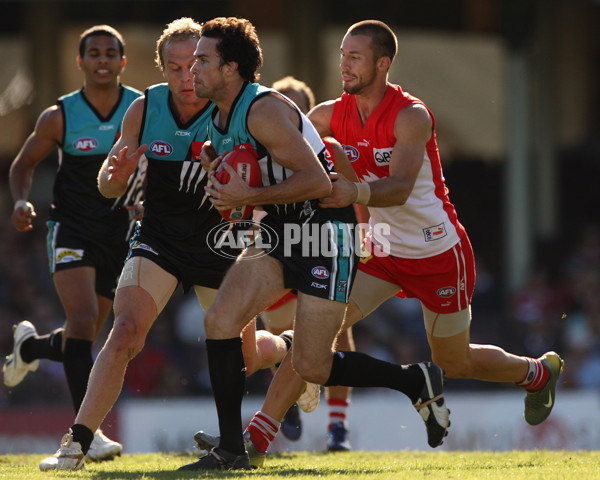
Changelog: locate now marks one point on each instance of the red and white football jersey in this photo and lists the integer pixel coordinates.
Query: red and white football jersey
(427, 224)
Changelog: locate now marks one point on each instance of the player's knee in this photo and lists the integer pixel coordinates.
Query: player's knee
(311, 371)
(81, 323)
(270, 349)
(124, 340)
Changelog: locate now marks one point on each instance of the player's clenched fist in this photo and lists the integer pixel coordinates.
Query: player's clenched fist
(22, 215)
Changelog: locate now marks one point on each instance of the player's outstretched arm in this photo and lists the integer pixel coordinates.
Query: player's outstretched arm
(125, 154)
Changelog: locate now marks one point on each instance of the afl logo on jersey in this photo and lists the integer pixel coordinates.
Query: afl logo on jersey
(320, 272)
(85, 144)
(160, 148)
(351, 153)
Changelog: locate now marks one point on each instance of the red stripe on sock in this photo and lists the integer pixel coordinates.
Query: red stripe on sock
(337, 402)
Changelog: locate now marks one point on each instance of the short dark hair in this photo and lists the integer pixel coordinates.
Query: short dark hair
(383, 40)
(238, 42)
(101, 30)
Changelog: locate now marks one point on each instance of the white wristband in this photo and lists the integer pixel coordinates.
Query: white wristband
(363, 193)
(20, 204)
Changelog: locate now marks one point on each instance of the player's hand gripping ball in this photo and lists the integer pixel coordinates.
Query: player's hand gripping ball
(246, 165)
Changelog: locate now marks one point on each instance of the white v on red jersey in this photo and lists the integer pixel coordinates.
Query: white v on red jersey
(427, 224)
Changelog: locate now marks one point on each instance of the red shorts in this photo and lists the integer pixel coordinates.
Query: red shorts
(443, 283)
(288, 297)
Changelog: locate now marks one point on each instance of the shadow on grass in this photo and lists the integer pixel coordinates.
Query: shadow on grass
(269, 471)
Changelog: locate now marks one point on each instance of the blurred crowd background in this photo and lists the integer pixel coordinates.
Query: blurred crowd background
(553, 304)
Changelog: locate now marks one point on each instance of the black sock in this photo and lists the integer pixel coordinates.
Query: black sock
(77, 362)
(43, 346)
(355, 369)
(228, 379)
(287, 338)
(82, 435)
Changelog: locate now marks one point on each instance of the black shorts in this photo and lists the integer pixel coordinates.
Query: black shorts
(318, 253)
(201, 267)
(68, 247)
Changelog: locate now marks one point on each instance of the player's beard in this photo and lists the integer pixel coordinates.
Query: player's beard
(358, 87)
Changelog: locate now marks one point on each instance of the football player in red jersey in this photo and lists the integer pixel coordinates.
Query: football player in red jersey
(402, 183)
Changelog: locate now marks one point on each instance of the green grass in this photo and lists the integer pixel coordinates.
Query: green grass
(529, 465)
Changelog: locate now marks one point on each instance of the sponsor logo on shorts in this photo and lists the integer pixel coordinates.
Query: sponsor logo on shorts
(446, 292)
(318, 285)
(160, 148)
(85, 144)
(143, 246)
(68, 255)
(435, 233)
(320, 272)
(382, 156)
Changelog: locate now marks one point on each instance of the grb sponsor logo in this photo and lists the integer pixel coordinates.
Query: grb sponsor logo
(182, 133)
(382, 156)
(320, 272)
(106, 127)
(351, 152)
(228, 239)
(68, 255)
(160, 148)
(320, 286)
(85, 144)
(446, 292)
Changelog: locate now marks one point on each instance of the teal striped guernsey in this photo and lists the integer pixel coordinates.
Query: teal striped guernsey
(178, 213)
(236, 134)
(87, 139)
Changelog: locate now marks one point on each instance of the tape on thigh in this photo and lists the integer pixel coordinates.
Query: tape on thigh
(144, 273)
(206, 296)
(446, 324)
(368, 292)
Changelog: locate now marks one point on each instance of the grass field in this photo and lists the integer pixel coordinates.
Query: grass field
(530, 465)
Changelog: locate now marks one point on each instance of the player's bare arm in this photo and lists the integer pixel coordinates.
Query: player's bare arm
(46, 136)
(275, 125)
(412, 129)
(125, 154)
(320, 117)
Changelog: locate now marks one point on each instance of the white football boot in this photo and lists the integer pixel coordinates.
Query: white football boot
(310, 398)
(103, 448)
(14, 367)
(68, 457)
